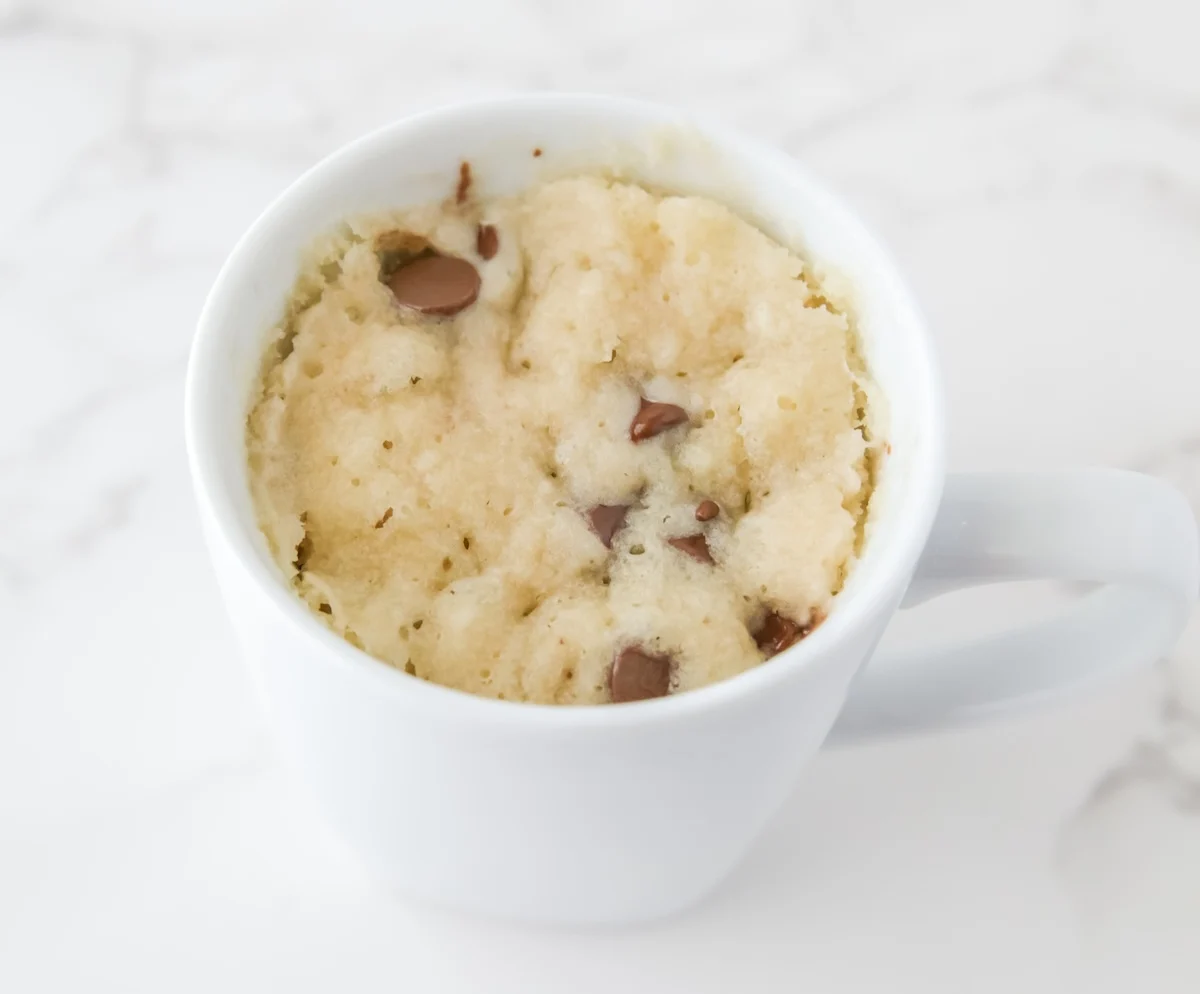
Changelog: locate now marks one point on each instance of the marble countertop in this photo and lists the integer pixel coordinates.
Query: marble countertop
(1034, 165)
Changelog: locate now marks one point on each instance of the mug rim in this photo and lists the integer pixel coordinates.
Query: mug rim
(927, 472)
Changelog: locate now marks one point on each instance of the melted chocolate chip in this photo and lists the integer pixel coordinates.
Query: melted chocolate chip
(606, 520)
(706, 510)
(463, 190)
(654, 417)
(695, 546)
(303, 552)
(777, 633)
(487, 241)
(435, 284)
(638, 675)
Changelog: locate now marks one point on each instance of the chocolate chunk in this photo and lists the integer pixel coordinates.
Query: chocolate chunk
(654, 417)
(464, 183)
(637, 675)
(695, 546)
(606, 520)
(706, 510)
(435, 284)
(487, 241)
(777, 633)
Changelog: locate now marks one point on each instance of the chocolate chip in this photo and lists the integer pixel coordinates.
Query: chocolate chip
(384, 519)
(637, 675)
(303, 553)
(435, 284)
(606, 520)
(464, 183)
(706, 510)
(324, 608)
(777, 633)
(654, 417)
(695, 546)
(487, 241)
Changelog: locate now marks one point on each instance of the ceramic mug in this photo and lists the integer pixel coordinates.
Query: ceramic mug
(633, 811)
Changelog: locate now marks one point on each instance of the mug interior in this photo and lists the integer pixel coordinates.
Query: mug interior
(511, 145)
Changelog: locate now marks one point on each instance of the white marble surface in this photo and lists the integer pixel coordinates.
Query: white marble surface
(1033, 164)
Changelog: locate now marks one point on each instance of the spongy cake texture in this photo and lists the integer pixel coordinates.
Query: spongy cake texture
(425, 482)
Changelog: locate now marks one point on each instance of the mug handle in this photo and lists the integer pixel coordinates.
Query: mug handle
(1130, 532)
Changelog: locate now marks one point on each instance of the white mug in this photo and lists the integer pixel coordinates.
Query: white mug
(634, 811)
